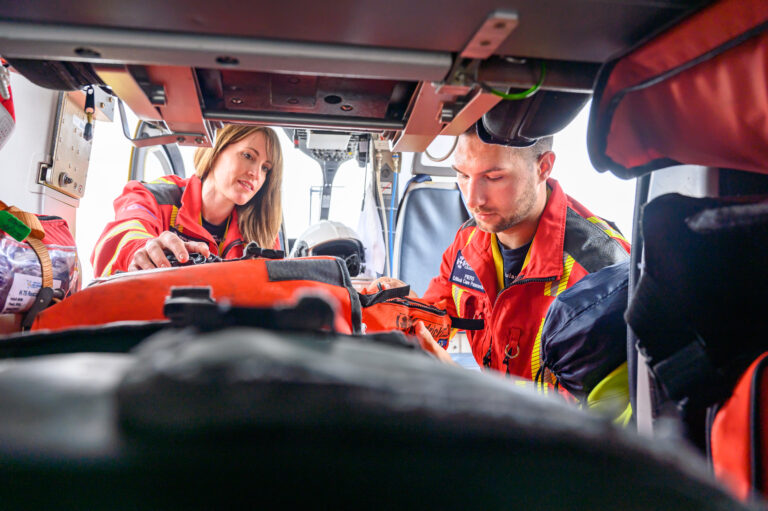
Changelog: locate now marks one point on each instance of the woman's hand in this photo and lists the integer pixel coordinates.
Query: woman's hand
(152, 254)
(383, 283)
(429, 344)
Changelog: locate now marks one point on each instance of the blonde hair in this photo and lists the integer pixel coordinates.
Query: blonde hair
(260, 218)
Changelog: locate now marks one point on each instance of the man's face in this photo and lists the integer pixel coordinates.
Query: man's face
(500, 185)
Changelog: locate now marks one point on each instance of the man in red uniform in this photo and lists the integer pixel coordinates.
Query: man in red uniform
(526, 243)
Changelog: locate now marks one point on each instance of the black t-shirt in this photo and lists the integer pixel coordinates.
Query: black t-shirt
(217, 231)
(513, 261)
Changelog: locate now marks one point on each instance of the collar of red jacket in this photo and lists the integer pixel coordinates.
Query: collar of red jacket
(191, 210)
(546, 255)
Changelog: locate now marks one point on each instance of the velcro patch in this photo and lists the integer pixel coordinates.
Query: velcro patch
(463, 274)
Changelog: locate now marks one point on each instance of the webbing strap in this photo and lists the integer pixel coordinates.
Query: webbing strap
(467, 324)
(45, 260)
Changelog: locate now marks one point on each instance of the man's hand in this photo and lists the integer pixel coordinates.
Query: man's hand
(383, 283)
(429, 344)
(152, 254)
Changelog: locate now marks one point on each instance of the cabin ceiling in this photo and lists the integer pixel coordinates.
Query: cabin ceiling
(409, 69)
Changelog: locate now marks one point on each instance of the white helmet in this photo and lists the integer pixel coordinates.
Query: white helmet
(334, 239)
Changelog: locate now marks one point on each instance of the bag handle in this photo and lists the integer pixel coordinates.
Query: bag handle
(368, 300)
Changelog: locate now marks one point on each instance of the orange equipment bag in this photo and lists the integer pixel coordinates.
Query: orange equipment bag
(140, 296)
(392, 310)
(738, 436)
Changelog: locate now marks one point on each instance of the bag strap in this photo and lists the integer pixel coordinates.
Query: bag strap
(467, 324)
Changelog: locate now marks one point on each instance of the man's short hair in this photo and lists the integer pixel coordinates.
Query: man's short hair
(542, 145)
(531, 153)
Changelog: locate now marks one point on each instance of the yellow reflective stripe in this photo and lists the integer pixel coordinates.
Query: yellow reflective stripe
(471, 235)
(607, 229)
(174, 212)
(498, 262)
(548, 289)
(456, 291)
(536, 353)
(163, 180)
(128, 237)
(566, 274)
(128, 225)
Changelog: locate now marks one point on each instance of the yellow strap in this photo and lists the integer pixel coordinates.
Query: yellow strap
(498, 262)
(45, 260)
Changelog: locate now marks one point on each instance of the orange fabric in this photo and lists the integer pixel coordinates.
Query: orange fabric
(140, 296)
(713, 114)
(402, 313)
(730, 435)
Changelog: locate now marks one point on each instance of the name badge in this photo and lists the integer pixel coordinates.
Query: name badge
(463, 274)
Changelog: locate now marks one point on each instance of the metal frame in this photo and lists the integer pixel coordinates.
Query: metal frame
(126, 46)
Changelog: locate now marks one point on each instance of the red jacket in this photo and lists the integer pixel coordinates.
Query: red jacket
(145, 210)
(569, 243)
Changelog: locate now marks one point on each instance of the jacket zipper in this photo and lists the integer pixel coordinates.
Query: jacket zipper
(487, 359)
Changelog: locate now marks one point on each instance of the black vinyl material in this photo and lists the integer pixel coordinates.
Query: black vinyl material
(427, 224)
(246, 417)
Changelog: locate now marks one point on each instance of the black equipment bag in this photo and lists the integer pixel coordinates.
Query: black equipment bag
(699, 306)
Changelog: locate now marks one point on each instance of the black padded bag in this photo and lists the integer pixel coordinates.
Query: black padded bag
(252, 418)
(699, 306)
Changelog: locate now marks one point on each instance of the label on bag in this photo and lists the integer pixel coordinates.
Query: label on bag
(23, 291)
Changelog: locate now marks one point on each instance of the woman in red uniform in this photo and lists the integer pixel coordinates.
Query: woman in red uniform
(233, 198)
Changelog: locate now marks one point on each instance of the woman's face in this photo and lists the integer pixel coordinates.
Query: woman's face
(241, 169)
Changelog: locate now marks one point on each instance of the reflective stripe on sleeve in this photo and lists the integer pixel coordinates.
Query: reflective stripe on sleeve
(131, 236)
(128, 225)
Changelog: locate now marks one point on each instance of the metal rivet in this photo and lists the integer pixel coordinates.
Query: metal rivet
(180, 139)
(236, 101)
(485, 43)
(499, 25)
(292, 101)
(346, 108)
(234, 87)
(199, 140)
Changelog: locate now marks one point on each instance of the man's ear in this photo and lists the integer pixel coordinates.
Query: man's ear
(545, 163)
